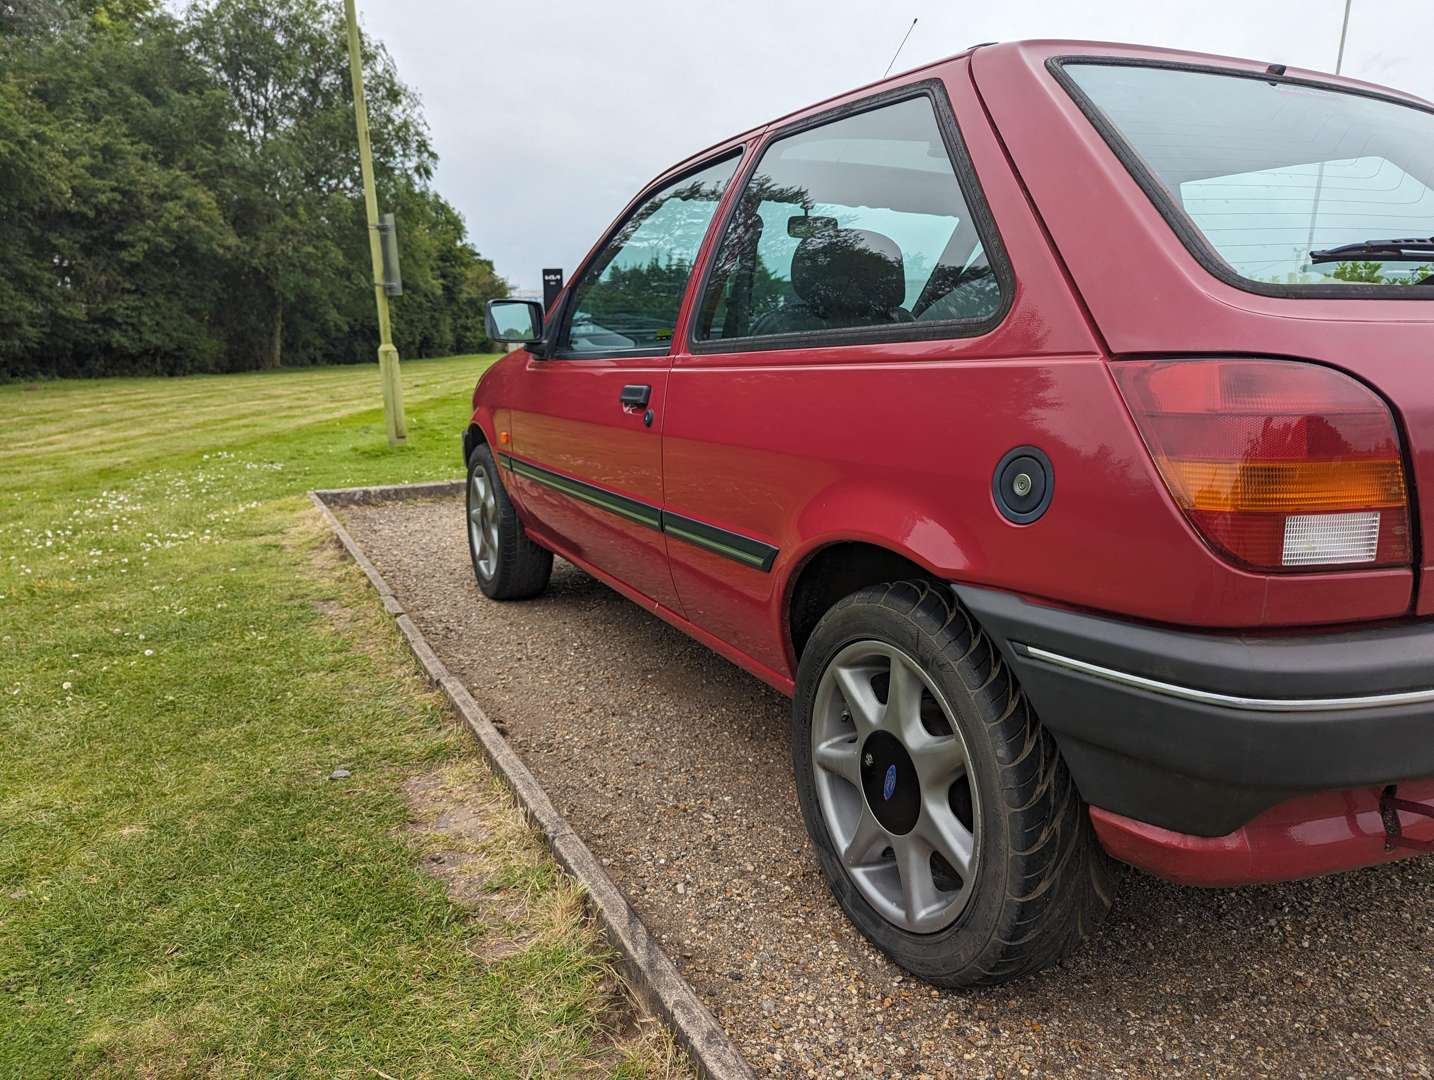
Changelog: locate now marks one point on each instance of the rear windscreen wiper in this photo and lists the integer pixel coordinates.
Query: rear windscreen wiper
(1418, 249)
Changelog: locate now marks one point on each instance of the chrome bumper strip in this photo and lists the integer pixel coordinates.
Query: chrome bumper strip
(1228, 701)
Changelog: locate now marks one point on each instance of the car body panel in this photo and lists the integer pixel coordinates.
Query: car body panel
(567, 419)
(1148, 295)
(1304, 837)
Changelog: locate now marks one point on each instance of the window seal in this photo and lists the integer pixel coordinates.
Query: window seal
(1184, 227)
(562, 315)
(968, 184)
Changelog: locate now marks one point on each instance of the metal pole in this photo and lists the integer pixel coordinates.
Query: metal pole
(1343, 37)
(387, 354)
(1338, 70)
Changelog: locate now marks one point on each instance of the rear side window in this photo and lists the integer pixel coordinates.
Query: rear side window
(627, 299)
(1281, 186)
(856, 224)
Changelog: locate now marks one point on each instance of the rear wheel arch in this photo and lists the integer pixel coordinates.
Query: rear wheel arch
(835, 571)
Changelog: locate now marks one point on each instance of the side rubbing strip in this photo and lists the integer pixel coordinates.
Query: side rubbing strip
(735, 546)
(621, 505)
(743, 549)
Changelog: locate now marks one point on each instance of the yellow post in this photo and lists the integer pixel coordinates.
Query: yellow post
(387, 354)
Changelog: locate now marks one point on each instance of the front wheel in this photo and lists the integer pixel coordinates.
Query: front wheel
(506, 563)
(946, 822)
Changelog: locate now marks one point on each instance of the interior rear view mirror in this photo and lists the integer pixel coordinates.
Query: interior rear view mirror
(805, 225)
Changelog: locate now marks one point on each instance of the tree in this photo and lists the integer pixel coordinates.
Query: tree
(182, 193)
(293, 180)
(115, 238)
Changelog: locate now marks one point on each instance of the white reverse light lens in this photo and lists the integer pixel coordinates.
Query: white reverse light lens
(1330, 538)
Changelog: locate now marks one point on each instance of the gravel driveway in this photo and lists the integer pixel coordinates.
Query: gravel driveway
(673, 766)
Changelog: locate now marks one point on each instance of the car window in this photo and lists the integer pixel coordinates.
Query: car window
(1291, 185)
(627, 298)
(859, 222)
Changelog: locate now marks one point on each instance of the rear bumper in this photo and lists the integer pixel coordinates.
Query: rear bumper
(1307, 836)
(1199, 735)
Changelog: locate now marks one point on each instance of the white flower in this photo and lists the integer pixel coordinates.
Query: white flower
(148, 652)
(67, 686)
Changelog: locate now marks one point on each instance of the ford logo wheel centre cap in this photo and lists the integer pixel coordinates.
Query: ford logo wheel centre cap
(890, 783)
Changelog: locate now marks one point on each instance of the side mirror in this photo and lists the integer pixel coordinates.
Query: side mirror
(519, 321)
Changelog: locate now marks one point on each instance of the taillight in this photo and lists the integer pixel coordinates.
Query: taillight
(1279, 465)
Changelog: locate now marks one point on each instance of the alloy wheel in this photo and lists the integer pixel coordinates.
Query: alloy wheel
(894, 786)
(483, 521)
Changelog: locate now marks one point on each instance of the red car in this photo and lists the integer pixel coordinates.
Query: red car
(1049, 424)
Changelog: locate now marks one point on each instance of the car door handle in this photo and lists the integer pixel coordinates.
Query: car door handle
(635, 397)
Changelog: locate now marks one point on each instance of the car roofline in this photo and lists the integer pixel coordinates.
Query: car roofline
(755, 132)
(1054, 46)
(1059, 47)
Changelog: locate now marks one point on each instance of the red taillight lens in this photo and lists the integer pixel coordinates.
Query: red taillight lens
(1279, 465)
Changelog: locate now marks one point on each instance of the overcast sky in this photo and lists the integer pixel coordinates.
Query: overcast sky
(549, 116)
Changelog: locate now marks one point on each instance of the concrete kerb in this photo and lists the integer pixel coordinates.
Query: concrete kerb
(367, 496)
(650, 971)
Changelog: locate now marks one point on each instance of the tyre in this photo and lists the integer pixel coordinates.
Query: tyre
(946, 823)
(506, 563)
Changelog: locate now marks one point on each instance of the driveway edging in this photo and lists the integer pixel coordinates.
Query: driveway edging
(651, 972)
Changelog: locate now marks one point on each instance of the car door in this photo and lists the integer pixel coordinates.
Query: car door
(586, 421)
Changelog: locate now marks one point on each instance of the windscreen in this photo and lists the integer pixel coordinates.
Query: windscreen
(1289, 184)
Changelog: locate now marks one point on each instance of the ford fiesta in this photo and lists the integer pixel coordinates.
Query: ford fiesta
(1051, 424)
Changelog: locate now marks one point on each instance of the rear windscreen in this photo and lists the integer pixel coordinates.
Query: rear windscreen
(1289, 185)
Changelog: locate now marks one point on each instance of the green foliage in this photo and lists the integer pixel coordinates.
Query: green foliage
(1372, 273)
(181, 193)
(642, 298)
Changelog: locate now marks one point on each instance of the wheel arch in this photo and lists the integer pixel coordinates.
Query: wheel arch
(490, 396)
(836, 569)
(473, 437)
(858, 534)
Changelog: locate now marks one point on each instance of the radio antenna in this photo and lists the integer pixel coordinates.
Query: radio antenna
(894, 55)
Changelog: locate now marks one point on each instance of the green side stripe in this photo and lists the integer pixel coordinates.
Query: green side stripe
(714, 545)
(643, 514)
(632, 511)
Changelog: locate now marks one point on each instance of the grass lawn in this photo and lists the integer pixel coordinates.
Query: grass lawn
(184, 660)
